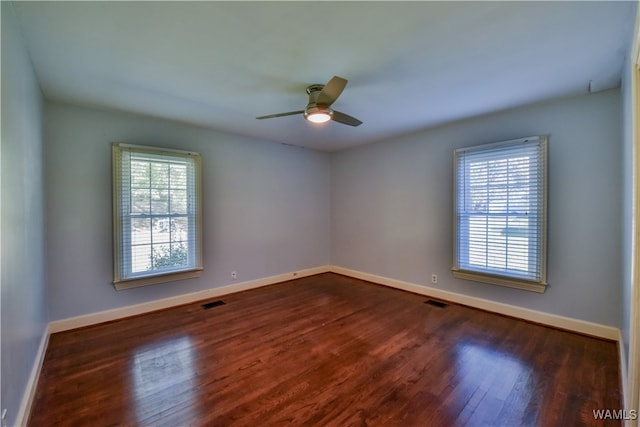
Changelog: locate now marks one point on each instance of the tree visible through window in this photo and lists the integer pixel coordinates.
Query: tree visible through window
(500, 213)
(156, 214)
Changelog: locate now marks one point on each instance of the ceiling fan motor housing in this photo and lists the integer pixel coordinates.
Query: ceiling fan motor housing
(312, 107)
(313, 91)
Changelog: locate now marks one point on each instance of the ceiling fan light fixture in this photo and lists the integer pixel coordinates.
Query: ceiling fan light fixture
(318, 114)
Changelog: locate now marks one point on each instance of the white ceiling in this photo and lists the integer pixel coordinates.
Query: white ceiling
(410, 65)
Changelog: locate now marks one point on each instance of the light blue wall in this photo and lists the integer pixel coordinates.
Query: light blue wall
(266, 206)
(391, 205)
(388, 205)
(22, 282)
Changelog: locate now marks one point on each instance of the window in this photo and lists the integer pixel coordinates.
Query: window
(156, 210)
(500, 213)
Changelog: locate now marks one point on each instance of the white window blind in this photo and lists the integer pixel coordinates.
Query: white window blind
(500, 213)
(156, 215)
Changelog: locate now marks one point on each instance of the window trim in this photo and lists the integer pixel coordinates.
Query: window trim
(498, 279)
(119, 282)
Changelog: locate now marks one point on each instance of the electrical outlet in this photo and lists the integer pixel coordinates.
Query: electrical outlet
(434, 278)
(234, 275)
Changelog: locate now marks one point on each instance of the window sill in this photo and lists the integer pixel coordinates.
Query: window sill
(154, 280)
(500, 281)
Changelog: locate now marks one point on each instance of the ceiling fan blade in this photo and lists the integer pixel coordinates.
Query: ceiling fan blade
(345, 119)
(331, 91)
(271, 116)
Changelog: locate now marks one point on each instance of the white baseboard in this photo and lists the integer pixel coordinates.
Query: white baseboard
(132, 310)
(574, 325)
(22, 417)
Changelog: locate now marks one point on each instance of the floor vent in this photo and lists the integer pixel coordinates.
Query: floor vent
(212, 304)
(435, 303)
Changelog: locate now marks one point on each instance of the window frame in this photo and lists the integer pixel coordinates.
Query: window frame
(504, 279)
(120, 281)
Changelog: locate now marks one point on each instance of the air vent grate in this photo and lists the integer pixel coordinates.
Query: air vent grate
(212, 304)
(439, 304)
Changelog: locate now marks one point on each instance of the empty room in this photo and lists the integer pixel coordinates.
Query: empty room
(320, 213)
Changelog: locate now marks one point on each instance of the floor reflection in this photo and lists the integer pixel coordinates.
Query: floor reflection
(495, 380)
(164, 381)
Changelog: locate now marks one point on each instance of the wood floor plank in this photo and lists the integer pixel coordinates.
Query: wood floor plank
(325, 350)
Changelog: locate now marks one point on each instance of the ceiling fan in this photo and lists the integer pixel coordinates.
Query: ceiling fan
(320, 99)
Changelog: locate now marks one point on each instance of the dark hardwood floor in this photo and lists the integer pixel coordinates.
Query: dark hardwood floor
(325, 350)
